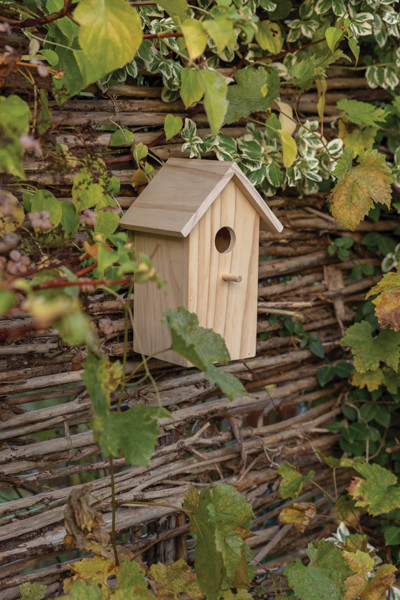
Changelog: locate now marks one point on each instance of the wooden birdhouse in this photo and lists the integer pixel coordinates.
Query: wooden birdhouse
(199, 222)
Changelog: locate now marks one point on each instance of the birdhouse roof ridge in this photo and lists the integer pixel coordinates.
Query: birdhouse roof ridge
(181, 193)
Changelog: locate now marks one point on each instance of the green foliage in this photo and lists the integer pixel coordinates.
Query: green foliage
(133, 432)
(174, 579)
(378, 492)
(248, 94)
(220, 519)
(32, 591)
(172, 126)
(202, 347)
(369, 351)
(361, 113)
(15, 116)
(292, 480)
(324, 578)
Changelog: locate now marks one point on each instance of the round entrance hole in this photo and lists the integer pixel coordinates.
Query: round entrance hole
(225, 240)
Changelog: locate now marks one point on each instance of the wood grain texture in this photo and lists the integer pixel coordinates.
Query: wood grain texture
(229, 308)
(170, 258)
(183, 191)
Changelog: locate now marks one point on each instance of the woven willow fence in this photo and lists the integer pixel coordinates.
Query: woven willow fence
(47, 447)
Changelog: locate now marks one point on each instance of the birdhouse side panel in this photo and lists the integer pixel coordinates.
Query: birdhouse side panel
(223, 271)
(170, 258)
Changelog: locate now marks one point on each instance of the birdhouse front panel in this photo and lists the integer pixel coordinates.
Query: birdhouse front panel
(170, 258)
(223, 271)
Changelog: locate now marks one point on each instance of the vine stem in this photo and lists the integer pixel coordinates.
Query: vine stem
(152, 36)
(125, 353)
(63, 12)
(114, 509)
(187, 512)
(323, 490)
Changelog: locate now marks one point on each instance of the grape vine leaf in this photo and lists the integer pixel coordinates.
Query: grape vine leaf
(32, 591)
(269, 36)
(215, 102)
(377, 587)
(292, 480)
(246, 96)
(369, 351)
(110, 33)
(379, 492)
(361, 563)
(387, 302)
(174, 579)
(131, 583)
(369, 379)
(299, 514)
(94, 570)
(220, 519)
(133, 432)
(324, 578)
(192, 87)
(357, 139)
(14, 121)
(361, 113)
(81, 590)
(202, 347)
(359, 187)
(172, 126)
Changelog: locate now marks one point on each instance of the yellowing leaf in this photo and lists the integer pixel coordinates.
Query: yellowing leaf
(292, 480)
(172, 126)
(139, 178)
(174, 7)
(379, 492)
(289, 148)
(174, 579)
(220, 29)
(378, 586)
(94, 570)
(195, 37)
(192, 87)
(370, 379)
(359, 187)
(369, 351)
(215, 102)
(32, 591)
(10, 223)
(269, 36)
(387, 302)
(286, 117)
(299, 514)
(110, 33)
(358, 139)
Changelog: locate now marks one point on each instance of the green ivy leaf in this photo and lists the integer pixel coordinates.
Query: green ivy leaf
(269, 36)
(202, 347)
(247, 96)
(121, 137)
(192, 87)
(132, 432)
(215, 102)
(292, 480)
(220, 520)
(369, 351)
(172, 126)
(324, 578)
(110, 33)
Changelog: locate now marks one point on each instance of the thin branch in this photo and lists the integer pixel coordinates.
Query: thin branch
(63, 12)
(152, 36)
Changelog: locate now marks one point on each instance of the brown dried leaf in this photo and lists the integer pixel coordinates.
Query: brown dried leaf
(299, 514)
(377, 587)
(82, 521)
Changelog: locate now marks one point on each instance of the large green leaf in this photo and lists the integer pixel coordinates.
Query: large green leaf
(248, 95)
(361, 113)
(215, 102)
(14, 120)
(324, 578)
(369, 351)
(379, 492)
(110, 33)
(132, 432)
(192, 88)
(131, 583)
(202, 347)
(220, 520)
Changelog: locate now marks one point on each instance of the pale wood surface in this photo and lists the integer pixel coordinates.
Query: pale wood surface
(170, 258)
(182, 192)
(229, 308)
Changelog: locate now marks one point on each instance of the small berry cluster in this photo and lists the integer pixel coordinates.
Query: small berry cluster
(16, 265)
(41, 220)
(88, 217)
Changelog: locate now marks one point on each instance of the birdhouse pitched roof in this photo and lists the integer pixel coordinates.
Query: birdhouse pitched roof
(183, 190)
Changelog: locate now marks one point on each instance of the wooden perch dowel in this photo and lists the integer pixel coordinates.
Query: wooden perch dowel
(236, 278)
